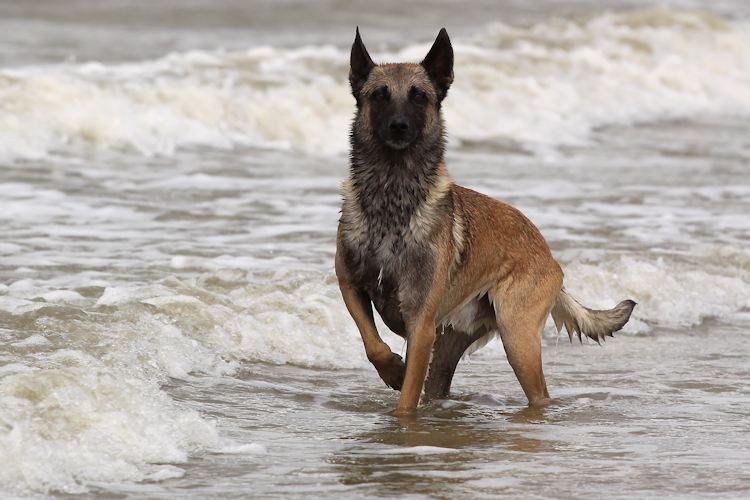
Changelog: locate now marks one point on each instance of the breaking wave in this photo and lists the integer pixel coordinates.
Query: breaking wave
(82, 400)
(539, 86)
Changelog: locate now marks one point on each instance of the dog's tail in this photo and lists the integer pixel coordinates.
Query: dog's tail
(592, 323)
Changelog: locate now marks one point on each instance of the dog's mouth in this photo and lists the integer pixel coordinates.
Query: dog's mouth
(398, 144)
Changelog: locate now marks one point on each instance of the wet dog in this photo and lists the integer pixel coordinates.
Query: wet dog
(445, 267)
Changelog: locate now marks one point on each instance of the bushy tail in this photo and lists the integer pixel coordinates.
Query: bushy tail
(582, 320)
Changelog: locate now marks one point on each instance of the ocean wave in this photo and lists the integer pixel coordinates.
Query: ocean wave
(225, 316)
(671, 292)
(81, 396)
(82, 400)
(75, 420)
(540, 86)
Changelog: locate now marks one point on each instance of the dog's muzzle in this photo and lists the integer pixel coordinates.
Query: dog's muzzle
(400, 134)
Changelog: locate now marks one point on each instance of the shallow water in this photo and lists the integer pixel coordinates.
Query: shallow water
(169, 319)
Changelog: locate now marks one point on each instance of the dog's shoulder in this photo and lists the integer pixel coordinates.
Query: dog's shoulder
(485, 210)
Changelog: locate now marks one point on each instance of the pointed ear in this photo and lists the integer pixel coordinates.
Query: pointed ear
(439, 63)
(360, 65)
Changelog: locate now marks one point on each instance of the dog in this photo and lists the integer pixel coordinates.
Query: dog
(446, 267)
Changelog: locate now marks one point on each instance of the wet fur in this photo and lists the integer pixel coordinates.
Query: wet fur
(444, 266)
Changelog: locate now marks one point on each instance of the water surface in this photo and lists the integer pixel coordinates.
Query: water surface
(170, 324)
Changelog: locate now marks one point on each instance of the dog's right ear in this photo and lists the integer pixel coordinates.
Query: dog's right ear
(360, 65)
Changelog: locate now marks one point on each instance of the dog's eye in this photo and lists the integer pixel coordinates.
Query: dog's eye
(418, 97)
(381, 95)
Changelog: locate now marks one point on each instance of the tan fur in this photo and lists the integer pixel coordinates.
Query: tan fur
(596, 325)
(427, 216)
(506, 257)
(452, 260)
(358, 229)
(399, 78)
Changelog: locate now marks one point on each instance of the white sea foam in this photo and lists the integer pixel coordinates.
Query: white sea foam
(670, 292)
(85, 405)
(211, 322)
(541, 86)
(249, 448)
(81, 421)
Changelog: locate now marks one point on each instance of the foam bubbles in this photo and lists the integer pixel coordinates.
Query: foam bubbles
(670, 292)
(539, 86)
(82, 421)
(86, 405)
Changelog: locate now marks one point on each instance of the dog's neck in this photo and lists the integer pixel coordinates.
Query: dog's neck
(391, 185)
(393, 196)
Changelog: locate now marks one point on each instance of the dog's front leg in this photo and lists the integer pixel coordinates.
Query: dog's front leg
(389, 365)
(418, 352)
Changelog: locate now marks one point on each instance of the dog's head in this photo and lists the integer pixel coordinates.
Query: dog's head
(398, 105)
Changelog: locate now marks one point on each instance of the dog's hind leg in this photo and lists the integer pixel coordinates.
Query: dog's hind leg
(521, 314)
(522, 343)
(449, 346)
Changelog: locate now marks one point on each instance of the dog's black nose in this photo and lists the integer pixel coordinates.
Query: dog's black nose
(398, 124)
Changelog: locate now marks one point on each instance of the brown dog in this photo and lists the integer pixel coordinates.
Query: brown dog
(446, 267)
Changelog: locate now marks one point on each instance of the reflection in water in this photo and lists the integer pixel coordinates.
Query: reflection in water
(441, 445)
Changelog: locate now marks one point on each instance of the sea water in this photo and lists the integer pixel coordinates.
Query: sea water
(170, 323)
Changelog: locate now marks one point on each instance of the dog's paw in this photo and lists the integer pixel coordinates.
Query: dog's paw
(392, 372)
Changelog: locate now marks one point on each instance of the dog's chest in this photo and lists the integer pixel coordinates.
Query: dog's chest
(392, 267)
(386, 255)
(388, 225)
(382, 223)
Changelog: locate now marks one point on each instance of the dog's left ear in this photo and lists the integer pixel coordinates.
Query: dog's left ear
(439, 63)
